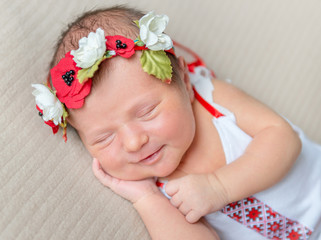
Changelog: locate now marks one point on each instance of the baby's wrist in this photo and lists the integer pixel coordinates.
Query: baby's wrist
(147, 199)
(218, 186)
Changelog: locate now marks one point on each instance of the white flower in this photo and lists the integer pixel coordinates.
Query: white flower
(151, 32)
(90, 49)
(48, 103)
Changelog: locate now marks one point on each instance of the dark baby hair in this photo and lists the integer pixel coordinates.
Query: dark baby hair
(117, 20)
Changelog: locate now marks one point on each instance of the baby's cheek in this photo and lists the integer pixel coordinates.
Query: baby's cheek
(120, 170)
(103, 158)
(175, 126)
(108, 160)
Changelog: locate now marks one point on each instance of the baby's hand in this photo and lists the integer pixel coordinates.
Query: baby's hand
(130, 190)
(197, 195)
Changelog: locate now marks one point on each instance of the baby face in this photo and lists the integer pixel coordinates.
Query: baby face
(134, 124)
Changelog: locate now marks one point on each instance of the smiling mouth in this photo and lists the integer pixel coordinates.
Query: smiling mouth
(151, 159)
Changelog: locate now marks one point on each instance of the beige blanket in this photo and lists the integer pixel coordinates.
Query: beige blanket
(271, 49)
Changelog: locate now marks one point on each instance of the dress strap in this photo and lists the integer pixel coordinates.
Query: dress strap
(207, 106)
(161, 184)
(198, 61)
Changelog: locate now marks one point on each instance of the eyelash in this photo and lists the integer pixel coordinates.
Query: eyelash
(148, 113)
(106, 139)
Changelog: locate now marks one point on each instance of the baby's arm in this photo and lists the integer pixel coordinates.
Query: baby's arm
(162, 220)
(270, 155)
(267, 159)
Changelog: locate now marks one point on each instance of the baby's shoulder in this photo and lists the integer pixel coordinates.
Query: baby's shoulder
(225, 91)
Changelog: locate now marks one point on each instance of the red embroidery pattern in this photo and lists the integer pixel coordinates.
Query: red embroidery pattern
(259, 217)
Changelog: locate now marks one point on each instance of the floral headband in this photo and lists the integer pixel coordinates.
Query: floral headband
(72, 76)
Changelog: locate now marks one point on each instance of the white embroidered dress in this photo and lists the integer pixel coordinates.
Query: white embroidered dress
(289, 210)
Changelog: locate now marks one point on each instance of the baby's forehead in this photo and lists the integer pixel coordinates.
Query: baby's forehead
(113, 68)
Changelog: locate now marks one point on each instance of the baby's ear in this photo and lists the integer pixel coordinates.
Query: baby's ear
(185, 77)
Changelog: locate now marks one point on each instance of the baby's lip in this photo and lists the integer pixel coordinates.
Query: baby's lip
(149, 156)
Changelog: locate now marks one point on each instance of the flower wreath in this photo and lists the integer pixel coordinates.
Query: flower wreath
(72, 76)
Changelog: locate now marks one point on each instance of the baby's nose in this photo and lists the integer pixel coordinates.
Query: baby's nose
(133, 138)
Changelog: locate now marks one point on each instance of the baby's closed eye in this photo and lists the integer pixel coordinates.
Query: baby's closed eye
(104, 139)
(148, 112)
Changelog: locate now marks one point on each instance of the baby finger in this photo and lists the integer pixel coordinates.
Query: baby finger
(100, 174)
(175, 201)
(193, 216)
(184, 209)
(171, 188)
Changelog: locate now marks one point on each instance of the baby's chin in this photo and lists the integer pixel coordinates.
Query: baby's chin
(140, 178)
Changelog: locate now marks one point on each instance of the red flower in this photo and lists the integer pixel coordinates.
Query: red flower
(64, 79)
(50, 123)
(122, 46)
(54, 127)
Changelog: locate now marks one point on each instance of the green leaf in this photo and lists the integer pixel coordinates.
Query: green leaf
(139, 42)
(107, 55)
(65, 114)
(156, 63)
(86, 73)
(137, 23)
